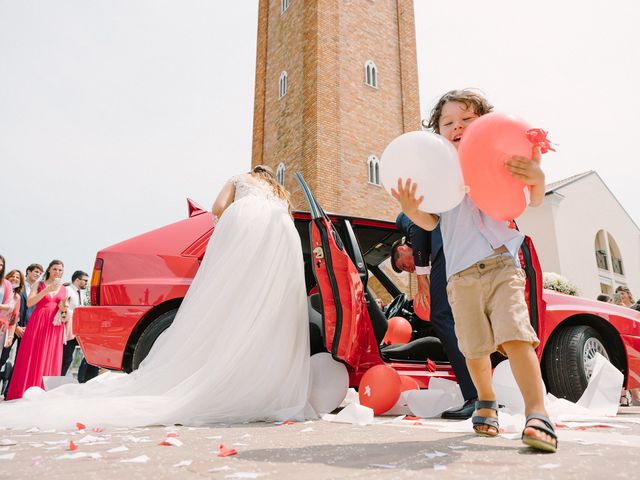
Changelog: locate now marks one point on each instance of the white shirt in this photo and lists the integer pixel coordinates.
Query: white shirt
(470, 235)
(74, 296)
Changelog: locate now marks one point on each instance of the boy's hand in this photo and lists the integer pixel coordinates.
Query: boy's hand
(406, 195)
(527, 170)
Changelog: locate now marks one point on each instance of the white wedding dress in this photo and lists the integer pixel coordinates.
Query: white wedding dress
(237, 351)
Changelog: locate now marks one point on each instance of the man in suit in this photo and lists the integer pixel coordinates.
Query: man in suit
(79, 281)
(33, 273)
(413, 254)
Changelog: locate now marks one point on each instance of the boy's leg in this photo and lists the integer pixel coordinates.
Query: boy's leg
(526, 370)
(480, 370)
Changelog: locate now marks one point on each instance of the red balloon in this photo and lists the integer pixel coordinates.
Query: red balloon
(423, 313)
(408, 383)
(398, 331)
(380, 388)
(485, 146)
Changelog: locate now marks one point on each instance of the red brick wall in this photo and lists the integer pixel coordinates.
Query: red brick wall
(330, 122)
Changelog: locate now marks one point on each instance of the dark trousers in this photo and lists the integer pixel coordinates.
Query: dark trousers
(443, 324)
(4, 356)
(85, 371)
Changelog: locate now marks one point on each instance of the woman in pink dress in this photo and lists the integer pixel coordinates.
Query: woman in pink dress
(40, 352)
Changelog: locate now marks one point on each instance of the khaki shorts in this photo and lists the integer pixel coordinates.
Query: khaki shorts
(489, 307)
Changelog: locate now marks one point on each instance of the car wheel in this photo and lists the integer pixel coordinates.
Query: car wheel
(569, 359)
(150, 335)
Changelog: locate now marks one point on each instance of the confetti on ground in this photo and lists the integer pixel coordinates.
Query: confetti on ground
(97, 430)
(457, 447)
(244, 475)
(7, 456)
(550, 466)
(305, 430)
(246, 435)
(75, 456)
(172, 434)
(80, 426)
(171, 442)
(435, 454)
(140, 459)
(439, 467)
(183, 463)
(382, 465)
(72, 446)
(214, 437)
(226, 452)
(224, 468)
(118, 449)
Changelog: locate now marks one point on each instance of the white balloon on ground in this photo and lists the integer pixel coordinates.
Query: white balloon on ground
(329, 383)
(431, 161)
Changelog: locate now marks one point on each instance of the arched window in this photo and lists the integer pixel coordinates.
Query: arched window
(282, 85)
(373, 170)
(284, 4)
(371, 74)
(280, 173)
(609, 261)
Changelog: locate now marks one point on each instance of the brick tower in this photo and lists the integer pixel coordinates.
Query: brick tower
(336, 80)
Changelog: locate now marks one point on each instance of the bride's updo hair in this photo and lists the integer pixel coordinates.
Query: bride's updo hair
(265, 173)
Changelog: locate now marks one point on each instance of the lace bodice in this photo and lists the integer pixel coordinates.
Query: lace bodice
(248, 186)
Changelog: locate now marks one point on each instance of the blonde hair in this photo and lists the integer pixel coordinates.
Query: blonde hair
(264, 173)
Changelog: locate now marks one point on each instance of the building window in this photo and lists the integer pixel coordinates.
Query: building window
(280, 173)
(284, 4)
(371, 74)
(608, 256)
(373, 170)
(283, 85)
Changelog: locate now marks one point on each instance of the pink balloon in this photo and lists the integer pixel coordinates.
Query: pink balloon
(485, 146)
(398, 331)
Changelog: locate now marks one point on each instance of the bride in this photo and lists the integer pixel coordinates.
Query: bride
(238, 349)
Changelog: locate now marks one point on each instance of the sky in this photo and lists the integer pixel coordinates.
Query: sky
(113, 112)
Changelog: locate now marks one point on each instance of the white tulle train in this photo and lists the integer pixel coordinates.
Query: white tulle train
(237, 351)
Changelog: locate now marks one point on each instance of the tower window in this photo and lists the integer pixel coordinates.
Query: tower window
(280, 173)
(283, 85)
(373, 169)
(371, 74)
(284, 4)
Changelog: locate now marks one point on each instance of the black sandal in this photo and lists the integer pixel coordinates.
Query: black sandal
(547, 428)
(492, 422)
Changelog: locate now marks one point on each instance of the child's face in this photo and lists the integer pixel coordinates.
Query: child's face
(455, 118)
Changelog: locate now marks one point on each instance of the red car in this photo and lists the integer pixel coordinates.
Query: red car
(138, 285)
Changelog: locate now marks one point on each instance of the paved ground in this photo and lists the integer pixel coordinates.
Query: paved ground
(317, 450)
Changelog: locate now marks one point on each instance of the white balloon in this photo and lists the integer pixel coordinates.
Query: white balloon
(431, 161)
(329, 383)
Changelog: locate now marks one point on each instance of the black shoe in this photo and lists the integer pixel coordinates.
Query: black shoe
(461, 413)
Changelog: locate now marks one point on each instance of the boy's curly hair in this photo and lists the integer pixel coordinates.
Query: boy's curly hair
(467, 96)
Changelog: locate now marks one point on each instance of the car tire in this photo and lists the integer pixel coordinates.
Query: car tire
(150, 335)
(567, 360)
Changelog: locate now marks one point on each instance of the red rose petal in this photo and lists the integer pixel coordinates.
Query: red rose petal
(172, 434)
(80, 426)
(72, 446)
(226, 452)
(97, 429)
(411, 417)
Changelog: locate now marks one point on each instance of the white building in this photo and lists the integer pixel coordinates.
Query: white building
(582, 232)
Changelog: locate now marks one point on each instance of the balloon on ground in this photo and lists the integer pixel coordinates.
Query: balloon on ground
(379, 388)
(329, 383)
(431, 161)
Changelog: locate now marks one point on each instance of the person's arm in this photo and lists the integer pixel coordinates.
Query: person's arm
(35, 296)
(224, 199)
(15, 315)
(530, 172)
(406, 195)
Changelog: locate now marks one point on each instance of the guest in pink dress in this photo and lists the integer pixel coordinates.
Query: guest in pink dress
(40, 352)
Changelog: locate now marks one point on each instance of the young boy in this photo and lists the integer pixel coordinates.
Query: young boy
(485, 282)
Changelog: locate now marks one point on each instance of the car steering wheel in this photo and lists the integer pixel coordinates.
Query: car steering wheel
(396, 305)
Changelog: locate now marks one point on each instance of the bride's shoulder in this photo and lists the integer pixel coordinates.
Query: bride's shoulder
(240, 178)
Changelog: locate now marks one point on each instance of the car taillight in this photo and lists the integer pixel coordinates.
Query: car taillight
(96, 278)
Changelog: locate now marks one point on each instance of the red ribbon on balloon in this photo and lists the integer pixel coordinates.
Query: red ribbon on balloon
(538, 137)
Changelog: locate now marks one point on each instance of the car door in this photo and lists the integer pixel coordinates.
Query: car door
(348, 334)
